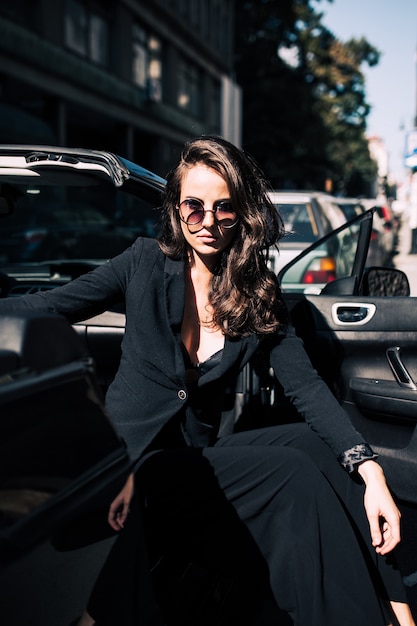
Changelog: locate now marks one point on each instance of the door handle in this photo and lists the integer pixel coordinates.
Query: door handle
(348, 313)
(400, 371)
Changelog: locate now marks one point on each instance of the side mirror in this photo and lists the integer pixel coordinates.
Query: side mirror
(384, 281)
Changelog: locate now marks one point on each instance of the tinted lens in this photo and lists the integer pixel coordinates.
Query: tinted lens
(225, 215)
(192, 211)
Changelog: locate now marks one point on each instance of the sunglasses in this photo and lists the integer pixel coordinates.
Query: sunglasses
(192, 212)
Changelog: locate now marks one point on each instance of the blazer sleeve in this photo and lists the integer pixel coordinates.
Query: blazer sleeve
(314, 401)
(86, 296)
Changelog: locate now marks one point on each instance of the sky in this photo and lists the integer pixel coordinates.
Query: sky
(391, 89)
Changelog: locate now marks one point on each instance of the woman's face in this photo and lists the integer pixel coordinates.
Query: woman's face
(208, 238)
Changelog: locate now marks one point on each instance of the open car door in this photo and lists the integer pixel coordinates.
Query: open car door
(61, 461)
(359, 326)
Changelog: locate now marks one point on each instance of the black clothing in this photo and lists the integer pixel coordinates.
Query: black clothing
(150, 387)
(288, 503)
(269, 510)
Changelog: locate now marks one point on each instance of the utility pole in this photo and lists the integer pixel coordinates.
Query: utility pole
(415, 87)
(413, 185)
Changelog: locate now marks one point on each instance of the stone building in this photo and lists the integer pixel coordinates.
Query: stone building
(137, 77)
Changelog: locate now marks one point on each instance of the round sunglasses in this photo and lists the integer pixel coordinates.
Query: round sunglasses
(192, 212)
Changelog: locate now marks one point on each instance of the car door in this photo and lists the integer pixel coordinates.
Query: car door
(364, 344)
(61, 460)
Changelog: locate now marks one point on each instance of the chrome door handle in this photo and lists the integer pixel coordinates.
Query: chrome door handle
(399, 369)
(348, 313)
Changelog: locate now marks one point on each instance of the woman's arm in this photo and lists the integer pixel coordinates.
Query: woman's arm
(312, 398)
(90, 294)
(322, 411)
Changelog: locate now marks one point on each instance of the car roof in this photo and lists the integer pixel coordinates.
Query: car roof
(299, 196)
(344, 200)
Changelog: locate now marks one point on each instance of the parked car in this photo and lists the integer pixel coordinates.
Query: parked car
(307, 216)
(61, 458)
(330, 259)
(381, 247)
(62, 212)
(389, 222)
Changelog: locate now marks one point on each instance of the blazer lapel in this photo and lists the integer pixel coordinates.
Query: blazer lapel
(235, 351)
(174, 293)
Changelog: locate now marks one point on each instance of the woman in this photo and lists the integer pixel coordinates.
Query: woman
(200, 304)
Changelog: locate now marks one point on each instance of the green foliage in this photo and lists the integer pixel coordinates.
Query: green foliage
(305, 109)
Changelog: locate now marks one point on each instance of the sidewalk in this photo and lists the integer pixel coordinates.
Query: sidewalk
(404, 260)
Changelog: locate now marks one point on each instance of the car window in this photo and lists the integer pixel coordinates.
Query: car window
(333, 212)
(94, 221)
(299, 220)
(330, 260)
(350, 209)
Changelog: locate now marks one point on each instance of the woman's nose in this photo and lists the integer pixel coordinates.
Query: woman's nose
(208, 219)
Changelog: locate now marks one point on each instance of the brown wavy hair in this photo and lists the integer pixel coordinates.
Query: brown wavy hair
(244, 293)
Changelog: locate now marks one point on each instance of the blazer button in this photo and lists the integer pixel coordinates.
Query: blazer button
(182, 394)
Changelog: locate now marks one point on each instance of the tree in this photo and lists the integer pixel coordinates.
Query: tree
(344, 110)
(303, 96)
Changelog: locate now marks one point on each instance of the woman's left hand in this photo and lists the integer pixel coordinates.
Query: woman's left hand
(381, 510)
(119, 508)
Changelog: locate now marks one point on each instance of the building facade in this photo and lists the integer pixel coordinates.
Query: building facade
(137, 77)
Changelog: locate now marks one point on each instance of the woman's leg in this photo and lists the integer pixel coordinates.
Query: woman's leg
(350, 491)
(403, 613)
(85, 620)
(123, 594)
(295, 537)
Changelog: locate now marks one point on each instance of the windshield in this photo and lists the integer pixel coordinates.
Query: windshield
(56, 222)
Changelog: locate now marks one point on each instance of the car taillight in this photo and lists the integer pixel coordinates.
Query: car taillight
(321, 270)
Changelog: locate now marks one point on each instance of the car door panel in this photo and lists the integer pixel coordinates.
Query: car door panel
(366, 350)
(61, 460)
(102, 335)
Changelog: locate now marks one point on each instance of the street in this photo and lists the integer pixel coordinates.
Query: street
(48, 587)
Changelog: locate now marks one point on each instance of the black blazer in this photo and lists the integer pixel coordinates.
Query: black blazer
(149, 389)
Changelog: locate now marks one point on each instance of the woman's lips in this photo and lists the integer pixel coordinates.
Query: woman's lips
(207, 238)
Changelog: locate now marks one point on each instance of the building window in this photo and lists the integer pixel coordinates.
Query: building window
(147, 63)
(215, 105)
(195, 17)
(86, 32)
(140, 56)
(205, 19)
(76, 27)
(215, 25)
(225, 29)
(183, 8)
(98, 39)
(190, 88)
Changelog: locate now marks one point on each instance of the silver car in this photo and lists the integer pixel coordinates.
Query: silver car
(308, 216)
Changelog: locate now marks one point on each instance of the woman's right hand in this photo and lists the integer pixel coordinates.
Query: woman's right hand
(119, 508)
(382, 512)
